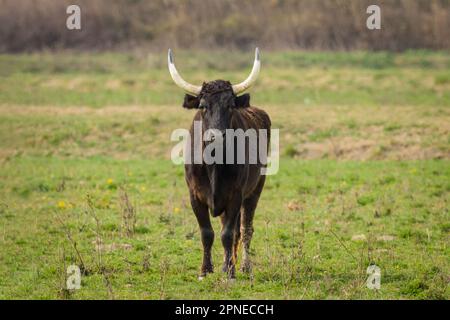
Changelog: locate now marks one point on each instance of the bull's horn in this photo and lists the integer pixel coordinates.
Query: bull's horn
(179, 81)
(241, 87)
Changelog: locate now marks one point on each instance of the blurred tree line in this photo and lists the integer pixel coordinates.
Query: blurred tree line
(28, 25)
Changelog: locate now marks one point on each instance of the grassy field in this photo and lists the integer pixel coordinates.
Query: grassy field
(364, 177)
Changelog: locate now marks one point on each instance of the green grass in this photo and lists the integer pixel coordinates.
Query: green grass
(306, 252)
(364, 176)
(417, 78)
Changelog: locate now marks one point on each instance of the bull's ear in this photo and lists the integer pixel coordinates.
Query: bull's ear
(242, 101)
(191, 102)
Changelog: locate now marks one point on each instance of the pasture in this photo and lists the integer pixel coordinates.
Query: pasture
(86, 177)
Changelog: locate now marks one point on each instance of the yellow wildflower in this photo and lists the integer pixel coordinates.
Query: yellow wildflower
(61, 204)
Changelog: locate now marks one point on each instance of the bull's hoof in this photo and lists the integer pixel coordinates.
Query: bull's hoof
(207, 269)
(202, 276)
(246, 267)
(228, 281)
(230, 271)
(231, 280)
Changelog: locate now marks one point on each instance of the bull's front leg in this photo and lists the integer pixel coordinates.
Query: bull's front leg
(207, 234)
(229, 220)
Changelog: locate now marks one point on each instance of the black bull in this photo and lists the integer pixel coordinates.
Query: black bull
(230, 191)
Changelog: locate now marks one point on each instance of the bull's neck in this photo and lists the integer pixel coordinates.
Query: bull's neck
(217, 177)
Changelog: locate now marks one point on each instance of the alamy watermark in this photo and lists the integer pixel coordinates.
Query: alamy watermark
(73, 21)
(231, 146)
(374, 279)
(373, 22)
(73, 281)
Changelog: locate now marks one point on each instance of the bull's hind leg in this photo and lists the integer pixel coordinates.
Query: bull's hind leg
(247, 214)
(237, 237)
(207, 234)
(229, 238)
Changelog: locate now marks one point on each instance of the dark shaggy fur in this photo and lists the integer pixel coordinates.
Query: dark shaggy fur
(230, 191)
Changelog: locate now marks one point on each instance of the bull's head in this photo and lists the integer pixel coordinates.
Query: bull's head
(216, 98)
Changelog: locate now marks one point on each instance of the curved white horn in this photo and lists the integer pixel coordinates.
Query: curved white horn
(179, 81)
(241, 87)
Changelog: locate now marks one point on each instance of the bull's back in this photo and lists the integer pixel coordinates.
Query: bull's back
(251, 117)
